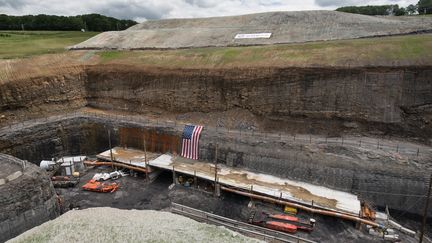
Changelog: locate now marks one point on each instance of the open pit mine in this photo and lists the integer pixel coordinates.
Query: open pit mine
(270, 149)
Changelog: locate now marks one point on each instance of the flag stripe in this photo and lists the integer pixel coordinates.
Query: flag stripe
(189, 148)
(190, 141)
(196, 140)
(183, 147)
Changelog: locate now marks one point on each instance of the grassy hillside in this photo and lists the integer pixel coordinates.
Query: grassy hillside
(385, 51)
(15, 44)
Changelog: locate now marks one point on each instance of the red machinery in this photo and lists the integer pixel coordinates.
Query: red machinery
(281, 222)
(97, 186)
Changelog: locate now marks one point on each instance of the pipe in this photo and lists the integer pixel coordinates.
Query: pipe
(305, 208)
(98, 163)
(401, 228)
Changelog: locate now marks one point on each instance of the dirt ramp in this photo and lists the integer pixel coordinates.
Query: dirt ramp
(285, 27)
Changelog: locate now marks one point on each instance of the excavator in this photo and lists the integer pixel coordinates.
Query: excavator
(281, 222)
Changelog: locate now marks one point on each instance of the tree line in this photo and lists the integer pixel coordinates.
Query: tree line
(422, 7)
(88, 22)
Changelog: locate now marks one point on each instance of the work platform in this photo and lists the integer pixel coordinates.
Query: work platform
(269, 185)
(128, 156)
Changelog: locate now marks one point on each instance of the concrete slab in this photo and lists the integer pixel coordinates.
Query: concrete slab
(296, 191)
(128, 156)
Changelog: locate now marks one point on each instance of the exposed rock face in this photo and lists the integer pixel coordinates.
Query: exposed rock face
(381, 182)
(55, 139)
(393, 100)
(388, 100)
(65, 136)
(42, 94)
(346, 168)
(26, 201)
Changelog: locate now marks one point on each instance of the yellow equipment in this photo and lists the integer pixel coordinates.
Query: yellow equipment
(290, 210)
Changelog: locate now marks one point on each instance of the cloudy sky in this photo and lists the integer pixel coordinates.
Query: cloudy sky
(141, 10)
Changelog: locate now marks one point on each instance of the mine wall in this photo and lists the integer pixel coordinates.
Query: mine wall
(75, 136)
(393, 100)
(21, 99)
(387, 181)
(376, 183)
(26, 201)
(390, 101)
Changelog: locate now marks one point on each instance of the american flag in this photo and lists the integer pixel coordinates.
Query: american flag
(190, 140)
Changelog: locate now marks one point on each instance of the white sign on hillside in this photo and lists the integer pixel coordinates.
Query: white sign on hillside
(253, 36)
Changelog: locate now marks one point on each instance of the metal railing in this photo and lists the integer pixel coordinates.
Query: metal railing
(244, 228)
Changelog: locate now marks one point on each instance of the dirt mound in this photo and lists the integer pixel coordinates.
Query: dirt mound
(285, 27)
(116, 225)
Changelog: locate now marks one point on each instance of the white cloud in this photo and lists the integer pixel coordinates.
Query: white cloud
(339, 3)
(155, 9)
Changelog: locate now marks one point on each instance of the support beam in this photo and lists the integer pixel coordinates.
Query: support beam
(145, 158)
(215, 177)
(174, 176)
(425, 213)
(117, 164)
(110, 147)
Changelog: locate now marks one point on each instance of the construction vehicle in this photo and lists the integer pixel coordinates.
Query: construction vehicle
(281, 222)
(97, 186)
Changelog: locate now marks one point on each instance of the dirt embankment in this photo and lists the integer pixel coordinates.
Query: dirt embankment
(285, 27)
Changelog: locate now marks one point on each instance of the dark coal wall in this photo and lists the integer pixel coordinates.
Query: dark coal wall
(83, 135)
(74, 136)
(395, 100)
(380, 183)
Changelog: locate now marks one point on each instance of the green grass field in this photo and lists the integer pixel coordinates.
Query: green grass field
(16, 44)
(386, 51)
(397, 50)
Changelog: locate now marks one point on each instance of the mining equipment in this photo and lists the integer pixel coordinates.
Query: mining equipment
(281, 222)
